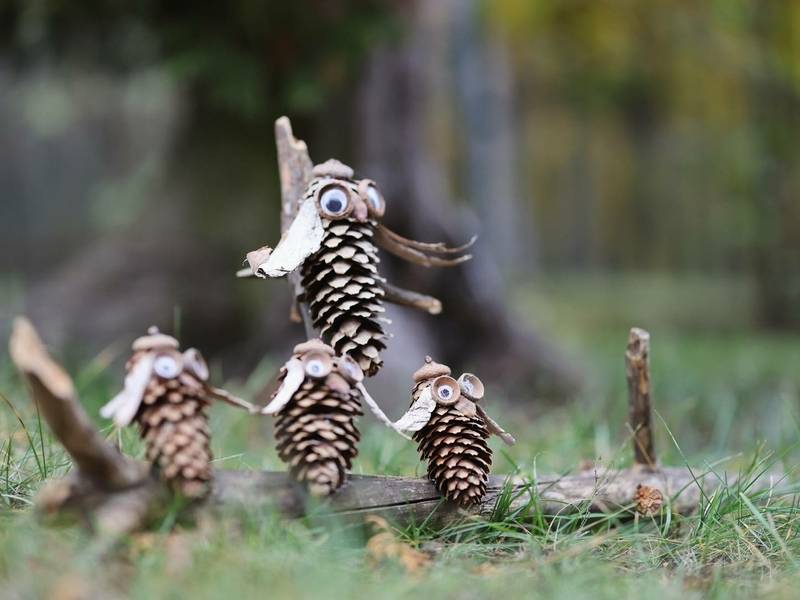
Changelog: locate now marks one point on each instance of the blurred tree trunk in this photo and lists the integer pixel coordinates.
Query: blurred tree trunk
(482, 91)
(406, 117)
(777, 115)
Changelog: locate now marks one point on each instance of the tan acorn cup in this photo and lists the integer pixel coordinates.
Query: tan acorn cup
(315, 407)
(333, 241)
(167, 393)
(452, 429)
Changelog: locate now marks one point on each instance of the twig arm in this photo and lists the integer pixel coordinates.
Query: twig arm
(403, 297)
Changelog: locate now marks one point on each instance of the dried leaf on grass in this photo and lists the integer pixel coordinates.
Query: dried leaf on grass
(384, 546)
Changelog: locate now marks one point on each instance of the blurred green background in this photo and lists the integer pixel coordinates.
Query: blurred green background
(624, 163)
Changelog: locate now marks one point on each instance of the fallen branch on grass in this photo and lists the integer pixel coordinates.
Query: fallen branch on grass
(117, 494)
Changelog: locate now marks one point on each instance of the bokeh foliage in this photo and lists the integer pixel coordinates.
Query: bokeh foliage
(247, 58)
(657, 136)
(664, 135)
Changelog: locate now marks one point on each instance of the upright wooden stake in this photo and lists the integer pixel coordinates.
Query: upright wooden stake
(637, 367)
(294, 167)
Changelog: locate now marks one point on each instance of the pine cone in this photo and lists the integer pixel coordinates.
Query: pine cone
(174, 426)
(333, 238)
(457, 452)
(344, 295)
(166, 393)
(316, 406)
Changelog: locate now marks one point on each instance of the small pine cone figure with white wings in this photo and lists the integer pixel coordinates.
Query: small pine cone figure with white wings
(333, 240)
(167, 392)
(316, 405)
(452, 430)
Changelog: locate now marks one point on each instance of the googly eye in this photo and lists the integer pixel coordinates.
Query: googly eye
(334, 201)
(350, 369)
(317, 364)
(196, 364)
(167, 366)
(471, 386)
(374, 199)
(445, 390)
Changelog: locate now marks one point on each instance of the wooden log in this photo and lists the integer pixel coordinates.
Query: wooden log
(637, 370)
(401, 500)
(405, 500)
(119, 494)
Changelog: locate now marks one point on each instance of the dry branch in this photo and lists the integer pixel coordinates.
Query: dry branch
(407, 500)
(404, 297)
(54, 393)
(637, 370)
(118, 494)
(294, 167)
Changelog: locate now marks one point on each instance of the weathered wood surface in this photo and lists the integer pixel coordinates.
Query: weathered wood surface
(403, 297)
(637, 371)
(407, 500)
(118, 494)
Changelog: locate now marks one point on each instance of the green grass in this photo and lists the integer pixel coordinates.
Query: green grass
(728, 399)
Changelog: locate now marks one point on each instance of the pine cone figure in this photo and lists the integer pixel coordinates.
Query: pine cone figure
(333, 240)
(452, 432)
(316, 404)
(167, 395)
(343, 290)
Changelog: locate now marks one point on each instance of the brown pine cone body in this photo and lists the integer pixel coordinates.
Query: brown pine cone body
(316, 435)
(458, 455)
(174, 426)
(343, 291)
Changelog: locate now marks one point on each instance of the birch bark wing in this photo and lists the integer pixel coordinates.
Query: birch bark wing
(419, 414)
(302, 239)
(295, 375)
(123, 407)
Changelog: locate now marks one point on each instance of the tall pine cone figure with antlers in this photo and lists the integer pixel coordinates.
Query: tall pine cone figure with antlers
(167, 393)
(451, 431)
(316, 406)
(334, 241)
